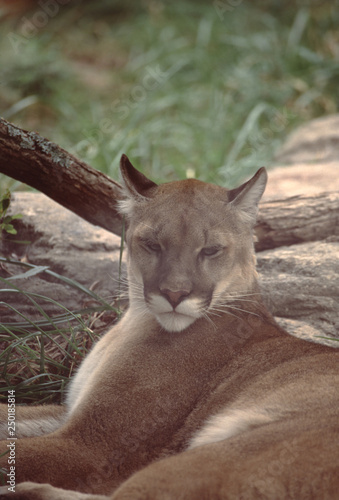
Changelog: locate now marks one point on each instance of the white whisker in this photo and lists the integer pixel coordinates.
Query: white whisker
(224, 308)
(206, 316)
(212, 311)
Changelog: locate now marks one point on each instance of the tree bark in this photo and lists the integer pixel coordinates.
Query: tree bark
(32, 159)
(297, 219)
(29, 158)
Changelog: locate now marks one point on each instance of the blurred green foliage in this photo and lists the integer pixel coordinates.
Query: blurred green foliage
(185, 88)
(6, 225)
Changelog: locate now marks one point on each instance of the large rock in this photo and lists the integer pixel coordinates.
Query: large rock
(69, 246)
(77, 249)
(302, 178)
(314, 142)
(301, 283)
(308, 161)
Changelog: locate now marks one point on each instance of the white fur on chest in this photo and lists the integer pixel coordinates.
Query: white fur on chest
(84, 378)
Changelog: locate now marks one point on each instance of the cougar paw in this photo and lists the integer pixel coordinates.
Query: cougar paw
(35, 491)
(26, 491)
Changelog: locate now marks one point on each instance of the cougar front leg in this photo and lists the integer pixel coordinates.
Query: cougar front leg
(35, 491)
(64, 462)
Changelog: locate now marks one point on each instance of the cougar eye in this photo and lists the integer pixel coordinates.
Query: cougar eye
(153, 247)
(210, 251)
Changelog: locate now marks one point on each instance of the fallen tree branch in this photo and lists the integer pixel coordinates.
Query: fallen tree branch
(297, 219)
(32, 159)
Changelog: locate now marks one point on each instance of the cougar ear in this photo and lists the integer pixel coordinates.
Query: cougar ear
(137, 186)
(246, 197)
(136, 182)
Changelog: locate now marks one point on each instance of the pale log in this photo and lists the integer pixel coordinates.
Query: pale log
(297, 219)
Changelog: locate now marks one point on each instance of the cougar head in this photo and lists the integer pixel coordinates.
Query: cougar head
(190, 245)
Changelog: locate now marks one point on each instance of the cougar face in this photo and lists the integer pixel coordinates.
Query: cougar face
(191, 255)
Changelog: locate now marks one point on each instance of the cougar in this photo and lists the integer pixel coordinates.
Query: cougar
(197, 393)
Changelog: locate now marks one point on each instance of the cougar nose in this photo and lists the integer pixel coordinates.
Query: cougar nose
(174, 298)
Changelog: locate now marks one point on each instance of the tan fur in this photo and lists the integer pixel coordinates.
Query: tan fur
(196, 393)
